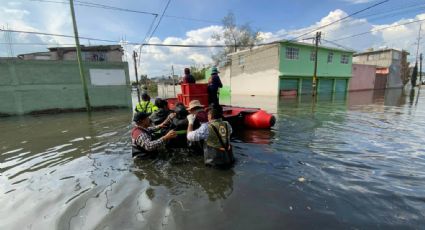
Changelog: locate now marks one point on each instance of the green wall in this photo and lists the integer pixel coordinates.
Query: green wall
(28, 86)
(305, 67)
(297, 74)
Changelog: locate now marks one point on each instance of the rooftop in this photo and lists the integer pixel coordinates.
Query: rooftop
(293, 42)
(88, 48)
(378, 51)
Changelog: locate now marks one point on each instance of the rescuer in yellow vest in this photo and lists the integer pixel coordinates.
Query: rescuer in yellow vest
(146, 106)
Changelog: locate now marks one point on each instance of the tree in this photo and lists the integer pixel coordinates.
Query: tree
(198, 72)
(234, 37)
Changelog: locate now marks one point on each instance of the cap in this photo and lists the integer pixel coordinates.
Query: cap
(214, 70)
(140, 116)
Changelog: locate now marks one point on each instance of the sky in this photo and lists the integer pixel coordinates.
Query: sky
(195, 21)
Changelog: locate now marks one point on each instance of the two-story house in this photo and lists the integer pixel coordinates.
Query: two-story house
(288, 66)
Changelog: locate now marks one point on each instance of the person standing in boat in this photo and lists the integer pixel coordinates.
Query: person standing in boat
(146, 106)
(215, 137)
(214, 84)
(142, 140)
(188, 78)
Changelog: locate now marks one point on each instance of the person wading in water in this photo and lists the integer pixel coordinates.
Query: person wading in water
(142, 140)
(215, 136)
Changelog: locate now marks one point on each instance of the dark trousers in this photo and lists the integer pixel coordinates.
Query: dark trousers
(213, 97)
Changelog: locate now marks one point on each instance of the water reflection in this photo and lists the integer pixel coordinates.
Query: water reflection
(217, 184)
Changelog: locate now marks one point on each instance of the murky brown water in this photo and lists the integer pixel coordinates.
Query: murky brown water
(356, 163)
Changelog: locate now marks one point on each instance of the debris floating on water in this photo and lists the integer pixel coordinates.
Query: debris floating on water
(301, 179)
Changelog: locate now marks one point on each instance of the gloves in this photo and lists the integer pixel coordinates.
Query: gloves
(191, 119)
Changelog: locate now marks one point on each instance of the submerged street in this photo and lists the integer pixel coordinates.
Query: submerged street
(338, 163)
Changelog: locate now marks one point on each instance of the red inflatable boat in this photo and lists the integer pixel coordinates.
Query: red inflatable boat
(253, 118)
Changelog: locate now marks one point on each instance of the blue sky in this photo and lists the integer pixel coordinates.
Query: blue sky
(272, 18)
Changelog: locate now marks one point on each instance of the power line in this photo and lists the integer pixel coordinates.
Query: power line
(108, 7)
(201, 46)
(375, 30)
(144, 39)
(341, 19)
(153, 31)
(336, 44)
(395, 9)
(160, 19)
(95, 5)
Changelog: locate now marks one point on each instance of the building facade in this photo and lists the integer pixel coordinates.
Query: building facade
(110, 53)
(391, 64)
(287, 67)
(364, 77)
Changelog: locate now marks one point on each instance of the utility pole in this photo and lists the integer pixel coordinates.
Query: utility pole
(420, 70)
(137, 77)
(316, 48)
(174, 83)
(79, 58)
(413, 80)
(419, 41)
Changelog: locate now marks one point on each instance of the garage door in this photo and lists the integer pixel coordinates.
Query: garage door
(340, 85)
(325, 85)
(288, 84)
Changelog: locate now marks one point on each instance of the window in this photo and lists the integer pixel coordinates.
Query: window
(241, 60)
(344, 59)
(330, 57)
(372, 57)
(94, 56)
(396, 55)
(292, 53)
(313, 55)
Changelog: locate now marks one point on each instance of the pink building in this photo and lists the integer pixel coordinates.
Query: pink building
(363, 77)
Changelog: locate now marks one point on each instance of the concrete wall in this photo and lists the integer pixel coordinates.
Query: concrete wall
(394, 77)
(28, 86)
(258, 74)
(167, 91)
(363, 77)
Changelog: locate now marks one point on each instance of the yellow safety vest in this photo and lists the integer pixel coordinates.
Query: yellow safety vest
(146, 107)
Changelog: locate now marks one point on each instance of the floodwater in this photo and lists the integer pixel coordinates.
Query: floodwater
(355, 162)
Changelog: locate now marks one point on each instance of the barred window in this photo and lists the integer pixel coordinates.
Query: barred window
(344, 59)
(313, 55)
(292, 53)
(330, 57)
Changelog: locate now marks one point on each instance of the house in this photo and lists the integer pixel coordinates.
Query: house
(108, 53)
(287, 67)
(392, 66)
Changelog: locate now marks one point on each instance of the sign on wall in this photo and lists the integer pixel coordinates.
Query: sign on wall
(107, 77)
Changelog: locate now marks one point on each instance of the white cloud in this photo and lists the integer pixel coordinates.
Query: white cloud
(156, 61)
